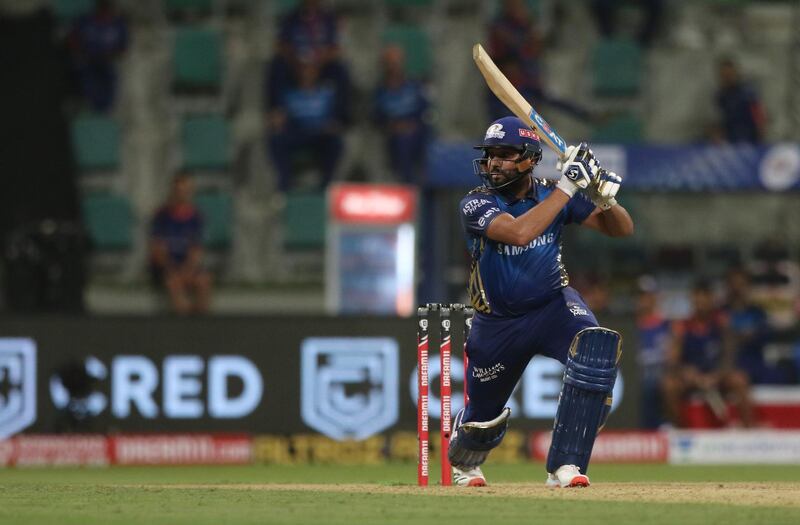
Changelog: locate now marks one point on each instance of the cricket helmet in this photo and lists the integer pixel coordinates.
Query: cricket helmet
(512, 133)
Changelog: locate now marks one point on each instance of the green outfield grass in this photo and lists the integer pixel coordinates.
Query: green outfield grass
(387, 494)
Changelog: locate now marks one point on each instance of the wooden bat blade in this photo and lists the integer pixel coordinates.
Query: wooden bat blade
(514, 101)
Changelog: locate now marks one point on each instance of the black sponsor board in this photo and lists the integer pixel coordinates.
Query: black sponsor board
(245, 374)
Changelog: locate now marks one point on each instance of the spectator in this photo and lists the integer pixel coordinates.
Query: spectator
(307, 32)
(400, 107)
(605, 12)
(176, 252)
(517, 48)
(654, 334)
(701, 360)
(742, 117)
(96, 41)
(307, 118)
(750, 332)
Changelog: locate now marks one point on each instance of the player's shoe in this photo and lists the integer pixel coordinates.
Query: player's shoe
(469, 477)
(567, 476)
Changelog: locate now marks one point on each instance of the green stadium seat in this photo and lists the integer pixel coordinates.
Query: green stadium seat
(621, 129)
(71, 9)
(109, 220)
(617, 67)
(197, 59)
(304, 220)
(205, 142)
(95, 142)
(416, 45)
(408, 3)
(217, 210)
(202, 6)
(284, 6)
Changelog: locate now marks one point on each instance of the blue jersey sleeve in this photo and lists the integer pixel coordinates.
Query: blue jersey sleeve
(578, 208)
(477, 212)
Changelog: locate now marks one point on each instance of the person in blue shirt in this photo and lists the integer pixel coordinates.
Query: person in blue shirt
(310, 29)
(750, 332)
(702, 361)
(518, 49)
(742, 115)
(97, 40)
(523, 302)
(176, 251)
(309, 117)
(401, 105)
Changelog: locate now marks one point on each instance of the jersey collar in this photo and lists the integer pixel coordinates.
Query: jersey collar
(533, 194)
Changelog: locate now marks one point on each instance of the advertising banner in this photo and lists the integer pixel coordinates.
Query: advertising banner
(658, 167)
(344, 378)
(766, 446)
(614, 447)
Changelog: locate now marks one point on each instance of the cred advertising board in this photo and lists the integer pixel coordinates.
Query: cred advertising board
(345, 378)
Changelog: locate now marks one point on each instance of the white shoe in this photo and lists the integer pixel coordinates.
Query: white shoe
(567, 476)
(471, 477)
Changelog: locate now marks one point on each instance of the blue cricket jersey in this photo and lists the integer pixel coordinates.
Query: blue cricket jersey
(510, 280)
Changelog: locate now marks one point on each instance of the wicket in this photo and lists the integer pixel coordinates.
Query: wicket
(445, 389)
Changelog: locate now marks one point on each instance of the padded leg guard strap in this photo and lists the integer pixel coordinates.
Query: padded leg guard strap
(471, 442)
(585, 400)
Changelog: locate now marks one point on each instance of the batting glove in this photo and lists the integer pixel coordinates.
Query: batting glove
(605, 188)
(578, 169)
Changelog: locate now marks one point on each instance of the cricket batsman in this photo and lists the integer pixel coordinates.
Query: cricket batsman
(524, 305)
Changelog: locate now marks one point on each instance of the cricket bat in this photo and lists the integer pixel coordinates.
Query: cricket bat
(512, 99)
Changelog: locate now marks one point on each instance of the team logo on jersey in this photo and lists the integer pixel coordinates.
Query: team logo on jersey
(495, 131)
(17, 385)
(349, 385)
(577, 309)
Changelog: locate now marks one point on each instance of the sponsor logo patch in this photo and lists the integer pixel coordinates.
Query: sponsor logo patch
(577, 309)
(472, 206)
(488, 373)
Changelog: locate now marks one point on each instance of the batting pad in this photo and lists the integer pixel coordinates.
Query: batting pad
(472, 441)
(589, 376)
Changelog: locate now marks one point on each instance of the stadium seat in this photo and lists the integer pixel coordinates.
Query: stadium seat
(196, 6)
(621, 129)
(197, 60)
(71, 9)
(286, 5)
(95, 142)
(304, 220)
(109, 220)
(617, 65)
(217, 210)
(410, 3)
(205, 142)
(416, 45)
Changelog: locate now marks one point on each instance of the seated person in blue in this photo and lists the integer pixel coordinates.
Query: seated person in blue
(97, 41)
(309, 116)
(310, 29)
(176, 250)
(701, 360)
(750, 332)
(400, 107)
